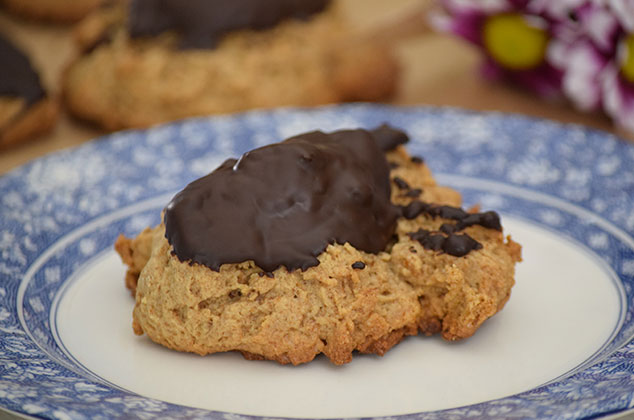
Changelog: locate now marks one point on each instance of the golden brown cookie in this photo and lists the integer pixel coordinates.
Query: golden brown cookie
(51, 10)
(26, 111)
(443, 270)
(122, 80)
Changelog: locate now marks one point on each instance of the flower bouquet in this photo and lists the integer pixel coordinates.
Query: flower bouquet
(582, 50)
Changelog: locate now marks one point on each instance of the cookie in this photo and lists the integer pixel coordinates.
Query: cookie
(324, 243)
(51, 10)
(145, 63)
(26, 111)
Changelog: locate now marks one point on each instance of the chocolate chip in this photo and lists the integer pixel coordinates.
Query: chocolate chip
(359, 265)
(235, 293)
(414, 209)
(400, 183)
(455, 245)
(414, 193)
(460, 245)
(489, 220)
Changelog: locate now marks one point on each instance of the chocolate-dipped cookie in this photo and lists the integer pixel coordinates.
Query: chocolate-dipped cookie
(154, 61)
(26, 111)
(305, 247)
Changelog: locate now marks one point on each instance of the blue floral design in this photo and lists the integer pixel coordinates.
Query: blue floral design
(61, 211)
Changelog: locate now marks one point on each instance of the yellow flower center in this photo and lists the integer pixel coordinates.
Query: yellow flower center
(627, 68)
(513, 42)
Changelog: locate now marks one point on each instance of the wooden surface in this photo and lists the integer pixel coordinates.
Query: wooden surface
(437, 70)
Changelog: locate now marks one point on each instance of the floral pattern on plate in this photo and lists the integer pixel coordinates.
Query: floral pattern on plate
(60, 211)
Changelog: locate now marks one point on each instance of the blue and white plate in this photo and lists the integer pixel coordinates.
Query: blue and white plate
(562, 347)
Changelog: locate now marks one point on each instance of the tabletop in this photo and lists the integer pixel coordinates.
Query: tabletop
(438, 70)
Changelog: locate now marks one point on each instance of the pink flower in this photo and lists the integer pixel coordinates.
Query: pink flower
(599, 71)
(583, 49)
(514, 38)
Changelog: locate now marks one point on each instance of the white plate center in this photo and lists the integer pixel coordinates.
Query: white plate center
(564, 307)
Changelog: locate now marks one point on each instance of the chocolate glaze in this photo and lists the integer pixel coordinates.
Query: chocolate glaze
(201, 23)
(281, 205)
(389, 138)
(17, 76)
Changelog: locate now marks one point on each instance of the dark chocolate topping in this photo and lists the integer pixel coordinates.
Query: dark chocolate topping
(389, 138)
(281, 205)
(17, 77)
(201, 23)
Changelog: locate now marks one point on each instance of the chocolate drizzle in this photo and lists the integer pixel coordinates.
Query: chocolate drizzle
(281, 205)
(202, 23)
(17, 76)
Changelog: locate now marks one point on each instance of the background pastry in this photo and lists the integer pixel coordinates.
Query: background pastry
(26, 111)
(152, 62)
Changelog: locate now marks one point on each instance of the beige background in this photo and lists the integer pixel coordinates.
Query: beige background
(438, 70)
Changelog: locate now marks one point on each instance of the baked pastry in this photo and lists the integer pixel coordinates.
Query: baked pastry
(155, 61)
(26, 111)
(51, 10)
(314, 245)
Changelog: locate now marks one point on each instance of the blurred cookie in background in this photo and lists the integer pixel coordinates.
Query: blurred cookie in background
(62, 11)
(26, 110)
(154, 61)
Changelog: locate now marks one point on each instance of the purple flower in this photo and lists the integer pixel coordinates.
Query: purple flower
(581, 48)
(515, 36)
(599, 70)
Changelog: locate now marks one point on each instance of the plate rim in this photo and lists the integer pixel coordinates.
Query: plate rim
(359, 107)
